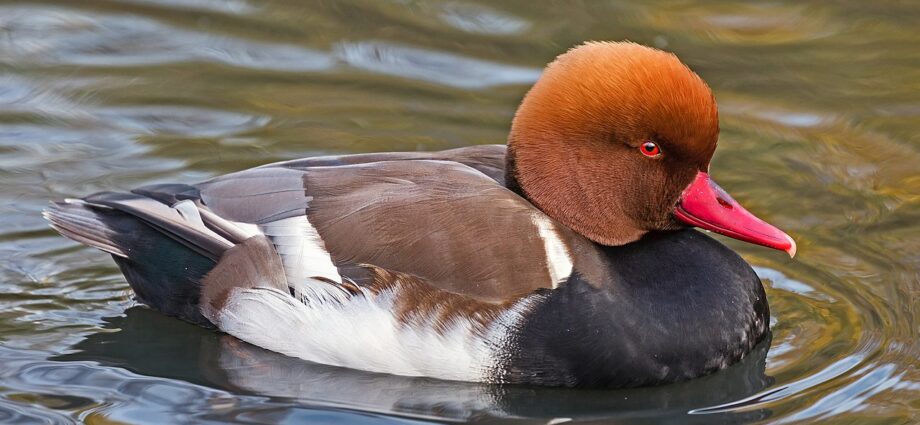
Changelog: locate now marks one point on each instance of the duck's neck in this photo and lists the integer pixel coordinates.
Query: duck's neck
(511, 179)
(564, 193)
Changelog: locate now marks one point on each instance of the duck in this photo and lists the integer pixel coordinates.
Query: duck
(566, 257)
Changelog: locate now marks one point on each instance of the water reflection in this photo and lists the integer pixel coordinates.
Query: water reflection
(148, 343)
(46, 391)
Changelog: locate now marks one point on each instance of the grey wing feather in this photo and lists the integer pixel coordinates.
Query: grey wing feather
(487, 159)
(258, 195)
(277, 191)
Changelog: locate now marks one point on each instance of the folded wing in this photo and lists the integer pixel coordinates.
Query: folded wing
(443, 221)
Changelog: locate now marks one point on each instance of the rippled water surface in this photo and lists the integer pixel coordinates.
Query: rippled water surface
(820, 109)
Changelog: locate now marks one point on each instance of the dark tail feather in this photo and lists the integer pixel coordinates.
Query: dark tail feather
(167, 220)
(75, 220)
(163, 258)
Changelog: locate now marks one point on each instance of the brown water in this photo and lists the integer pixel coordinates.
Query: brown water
(820, 108)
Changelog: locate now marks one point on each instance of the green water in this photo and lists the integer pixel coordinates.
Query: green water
(820, 110)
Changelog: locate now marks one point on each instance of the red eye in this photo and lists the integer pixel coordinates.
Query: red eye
(650, 149)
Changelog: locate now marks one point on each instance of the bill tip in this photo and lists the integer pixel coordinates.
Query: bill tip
(792, 247)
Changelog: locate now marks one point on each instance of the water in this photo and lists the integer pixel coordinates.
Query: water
(820, 116)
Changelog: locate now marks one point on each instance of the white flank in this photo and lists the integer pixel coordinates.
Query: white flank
(361, 332)
(303, 255)
(557, 254)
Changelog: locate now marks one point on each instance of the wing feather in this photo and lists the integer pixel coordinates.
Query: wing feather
(437, 216)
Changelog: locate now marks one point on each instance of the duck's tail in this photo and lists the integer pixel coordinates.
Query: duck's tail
(163, 245)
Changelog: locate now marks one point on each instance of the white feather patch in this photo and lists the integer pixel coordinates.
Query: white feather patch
(247, 228)
(189, 212)
(558, 260)
(361, 332)
(303, 255)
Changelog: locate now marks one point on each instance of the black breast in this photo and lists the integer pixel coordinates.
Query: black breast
(672, 307)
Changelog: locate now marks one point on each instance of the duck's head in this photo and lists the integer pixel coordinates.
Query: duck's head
(615, 140)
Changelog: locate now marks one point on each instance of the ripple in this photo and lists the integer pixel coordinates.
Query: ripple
(481, 20)
(775, 114)
(57, 36)
(185, 121)
(24, 96)
(14, 413)
(873, 380)
(432, 66)
(60, 37)
(830, 372)
(272, 57)
(746, 24)
(234, 7)
(778, 280)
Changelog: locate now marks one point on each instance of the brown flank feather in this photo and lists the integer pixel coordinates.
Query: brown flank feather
(418, 302)
(251, 264)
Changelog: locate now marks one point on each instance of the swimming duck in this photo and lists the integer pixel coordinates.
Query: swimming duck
(563, 258)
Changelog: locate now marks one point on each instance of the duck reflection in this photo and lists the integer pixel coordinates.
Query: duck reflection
(149, 343)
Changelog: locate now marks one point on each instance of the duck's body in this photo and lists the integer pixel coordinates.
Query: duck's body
(454, 265)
